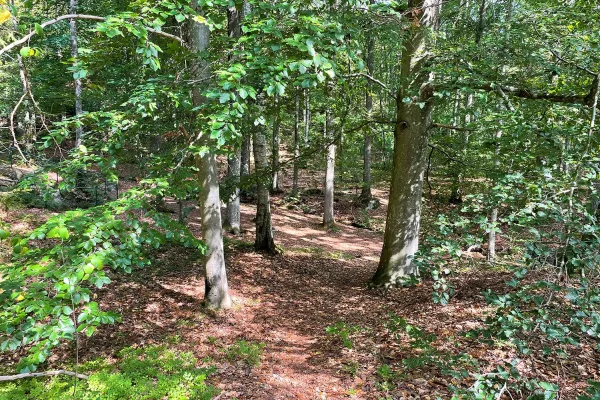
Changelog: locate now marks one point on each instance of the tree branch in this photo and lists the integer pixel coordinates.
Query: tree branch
(31, 34)
(4, 378)
(452, 127)
(372, 79)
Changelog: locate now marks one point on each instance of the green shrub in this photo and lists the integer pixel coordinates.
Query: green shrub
(248, 352)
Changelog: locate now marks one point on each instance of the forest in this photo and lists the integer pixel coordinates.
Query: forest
(300, 199)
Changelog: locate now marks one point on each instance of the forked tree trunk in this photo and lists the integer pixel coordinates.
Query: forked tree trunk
(264, 230)
(74, 55)
(275, 188)
(216, 289)
(328, 216)
(296, 146)
(366, 195)
(401, 239)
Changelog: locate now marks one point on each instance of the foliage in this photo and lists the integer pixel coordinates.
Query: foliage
(248, 352)
(153, 372)
(46, 291)
(343, 332)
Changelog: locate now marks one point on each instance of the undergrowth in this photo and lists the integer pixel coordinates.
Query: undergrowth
(153, 372)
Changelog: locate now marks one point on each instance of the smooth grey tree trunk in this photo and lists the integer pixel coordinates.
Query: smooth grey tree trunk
(264, 231)
(401, 238)
(366, 195)
(275, 186)
(328, 214)
(78, 87)
(245, 155)
(232, 217)
(216, 288)
(296, 146)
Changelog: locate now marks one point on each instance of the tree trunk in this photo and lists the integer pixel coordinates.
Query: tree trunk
(275, 188)
(216, 289)
(74, 55)
(306, 115)
(328, 217)
(456, 192)
(296, 146)
(365, 195)
(264, 230)
(245, 155)
(233, 219)
(401, 238)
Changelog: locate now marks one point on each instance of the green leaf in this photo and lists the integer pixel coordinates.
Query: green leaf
(224, 98)
(26, 52)
(63, 233)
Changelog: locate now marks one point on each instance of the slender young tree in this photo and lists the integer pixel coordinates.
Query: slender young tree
(296, 146)
(366, 195)
(275, 185)
(216, 288)
(264, 230)
(74, 55)
(328, 189)
(233, 219)
(401, 238)
(306, 115)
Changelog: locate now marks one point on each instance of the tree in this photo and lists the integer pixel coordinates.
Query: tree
(264, 230)
(328, 184)
(233, 219)
(216, 289)
(413, 119)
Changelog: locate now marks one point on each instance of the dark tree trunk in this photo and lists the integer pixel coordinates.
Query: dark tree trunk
(264, 230)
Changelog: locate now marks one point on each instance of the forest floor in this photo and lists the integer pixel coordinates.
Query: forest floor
(284, 303)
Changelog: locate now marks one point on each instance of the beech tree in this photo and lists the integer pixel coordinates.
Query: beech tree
(216, 289)
(414, 108)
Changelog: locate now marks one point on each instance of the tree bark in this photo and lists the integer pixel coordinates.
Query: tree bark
(74, 55)
(328, 216)
(401, 238)
(296, 146)
(275, 187)
(245, 155)
(233, 219)
(216, 289)
(456, 192)
(366, 195)
(306, 115)
(264, 230)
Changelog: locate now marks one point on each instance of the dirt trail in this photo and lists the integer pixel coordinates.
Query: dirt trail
(284, 301)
